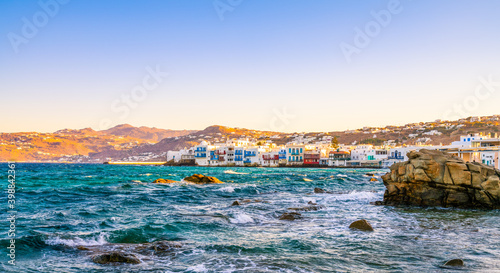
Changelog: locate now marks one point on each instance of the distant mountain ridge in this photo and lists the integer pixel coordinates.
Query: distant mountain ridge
(145, 133)
(129, 143)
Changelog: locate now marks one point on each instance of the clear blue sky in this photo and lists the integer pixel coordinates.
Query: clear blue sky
(263, 58)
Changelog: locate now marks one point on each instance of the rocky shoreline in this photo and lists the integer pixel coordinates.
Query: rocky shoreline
(435, 178)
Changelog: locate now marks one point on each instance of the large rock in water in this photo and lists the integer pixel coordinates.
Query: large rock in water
(361, 225)
(115, 257)
(435, 178)
(163, 181)
(202, 179)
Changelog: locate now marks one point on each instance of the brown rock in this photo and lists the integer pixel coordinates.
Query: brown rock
(361, 225)
(435, 178)
(202, 179)
(115, 257)
(162, 247)
(491, 185)
(163, 181)
(319, 190)
(474, 167)
(420, 175)
(290, 216)
(401, 170)
(459, 173)
(455, 262)
(235, 203)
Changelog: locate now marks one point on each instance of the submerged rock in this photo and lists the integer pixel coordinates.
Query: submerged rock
(202, 179)
(361, 225)
(115, 257)
(455, 262)
(253, 201)
(319, 190)
(164, 181)
(162, 247)
(308, 208)
(290, 216)
(435, 178)
(126, 253)
(235, 203)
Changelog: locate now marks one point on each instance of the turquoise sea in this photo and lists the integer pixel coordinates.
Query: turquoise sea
(61, 207)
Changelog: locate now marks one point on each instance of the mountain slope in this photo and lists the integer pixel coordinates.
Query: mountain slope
(145, 133)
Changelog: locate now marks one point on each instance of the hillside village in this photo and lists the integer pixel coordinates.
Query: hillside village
(368, 146)
(327, 153)
(325, 149)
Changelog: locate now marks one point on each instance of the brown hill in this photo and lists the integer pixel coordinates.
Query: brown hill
(145, 133)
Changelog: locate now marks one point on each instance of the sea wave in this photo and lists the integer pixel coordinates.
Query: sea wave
(226, 189)
(77, 241)
(355, 196)
(241, 218)
(198, 268)
(233, 172)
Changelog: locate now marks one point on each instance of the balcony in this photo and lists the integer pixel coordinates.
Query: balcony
(270, 157)
(247, 154)
(398, 157)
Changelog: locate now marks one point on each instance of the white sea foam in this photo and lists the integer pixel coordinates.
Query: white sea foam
(233, 172)
(226, 189)
(198, 268)
(341, 175)
(241, 219)
(77, 241)
(355, 195)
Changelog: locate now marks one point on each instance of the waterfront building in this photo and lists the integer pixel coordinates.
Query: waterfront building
(295, 154)
(269, 159)
(338, 158)
(311, 158)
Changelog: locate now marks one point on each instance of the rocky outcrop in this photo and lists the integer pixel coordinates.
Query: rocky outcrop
(115, 257)
(202, 179)
(455, 263)
(164, 181)
(320, 190)
(290, 216)
(435, 178)
(361, 225)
